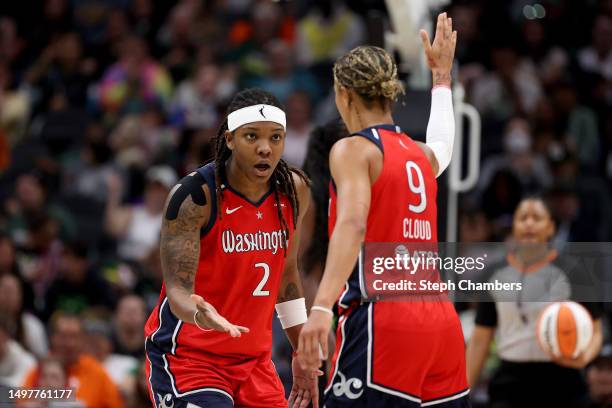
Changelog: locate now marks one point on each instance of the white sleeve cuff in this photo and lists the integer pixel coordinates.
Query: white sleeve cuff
(441, 126)
(292, 312)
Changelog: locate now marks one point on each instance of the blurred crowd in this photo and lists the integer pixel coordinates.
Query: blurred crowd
(105, 104)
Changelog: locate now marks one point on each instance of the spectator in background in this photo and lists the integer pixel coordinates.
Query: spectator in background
(10, 266)
(61, 68)
(299, 125)
(53, 377)
(15, 362)
(14, 107)
(248, 40)
(120, 368)
(29, 330)
(578, 124)
(549, 61)
(137, 227)
(283, 76)
(130, 317)
(326, 32)
(31, 197)
(142, 139)
(597, 57)
(135, 82)
(84, 374)
(518, 158)
(196, 103)
(79, 284)
(511, 89)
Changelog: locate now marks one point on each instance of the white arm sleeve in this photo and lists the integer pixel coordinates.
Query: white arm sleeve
(441, 127)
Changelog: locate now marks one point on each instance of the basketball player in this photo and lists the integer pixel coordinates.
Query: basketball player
(388, 354)
(229, 253)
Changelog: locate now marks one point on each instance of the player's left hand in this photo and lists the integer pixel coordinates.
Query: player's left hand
(305, 386)
(312, 346)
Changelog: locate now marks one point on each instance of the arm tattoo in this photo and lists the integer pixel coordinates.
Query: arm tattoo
(290, 292)
(180, 245)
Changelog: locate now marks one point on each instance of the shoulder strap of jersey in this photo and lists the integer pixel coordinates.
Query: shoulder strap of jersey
(208, 173)
(373, 135)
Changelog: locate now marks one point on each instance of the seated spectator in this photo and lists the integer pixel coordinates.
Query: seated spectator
(10, 266)
(53, 377)
(134, 82)
(15, 362)
(597, 57)
(299, 125)
(283, 76)
(196, 101)
(119, 367)
(31, 197)
(79, 285)
(89, 379)
(329, 30)
(29, 331)
(137, 227)
(130, 318)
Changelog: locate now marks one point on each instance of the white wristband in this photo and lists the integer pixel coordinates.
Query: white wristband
(322, 309)
(292, 312)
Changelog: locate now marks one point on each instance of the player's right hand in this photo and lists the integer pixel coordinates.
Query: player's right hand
(208, 318)
(441, 52)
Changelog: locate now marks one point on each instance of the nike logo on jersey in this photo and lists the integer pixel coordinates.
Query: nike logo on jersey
(233, 210)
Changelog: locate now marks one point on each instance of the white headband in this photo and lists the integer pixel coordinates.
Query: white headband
(256, 113)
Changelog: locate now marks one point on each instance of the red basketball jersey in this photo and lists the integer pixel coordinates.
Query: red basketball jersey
(403, 201)
(242, 258)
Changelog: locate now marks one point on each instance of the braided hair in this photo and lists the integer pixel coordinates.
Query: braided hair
(370, 72)
(281, 180)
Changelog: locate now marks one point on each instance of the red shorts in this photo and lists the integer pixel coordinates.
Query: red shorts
(399, 354)
(246, 383)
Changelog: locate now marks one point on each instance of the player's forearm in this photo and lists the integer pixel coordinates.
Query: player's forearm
(477, 352)
(344, 247)
(181, 304)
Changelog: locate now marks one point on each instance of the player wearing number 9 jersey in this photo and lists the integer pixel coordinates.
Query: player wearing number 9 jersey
(388, 353)
(229, 257)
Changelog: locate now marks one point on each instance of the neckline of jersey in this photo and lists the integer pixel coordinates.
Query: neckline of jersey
(257, 203)
(385, 126)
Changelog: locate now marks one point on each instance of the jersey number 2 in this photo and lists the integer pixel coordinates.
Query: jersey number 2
(259, 289)
(418, 188)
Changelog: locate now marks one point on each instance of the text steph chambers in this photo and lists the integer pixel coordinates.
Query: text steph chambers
(425, 285)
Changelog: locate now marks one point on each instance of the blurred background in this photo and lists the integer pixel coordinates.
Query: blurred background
(106, 104)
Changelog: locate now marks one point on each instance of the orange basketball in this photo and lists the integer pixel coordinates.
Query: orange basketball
(564, 329)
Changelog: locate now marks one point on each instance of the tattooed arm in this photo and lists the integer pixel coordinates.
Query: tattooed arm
(291, 286)
(186, 211)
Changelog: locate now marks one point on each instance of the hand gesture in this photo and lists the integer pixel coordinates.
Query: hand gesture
(305, 387)
(441, 53)
(207, 318)
(314, 334)
(578, 363)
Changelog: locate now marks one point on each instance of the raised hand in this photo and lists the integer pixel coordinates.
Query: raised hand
(441, 52)
(207, 318)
